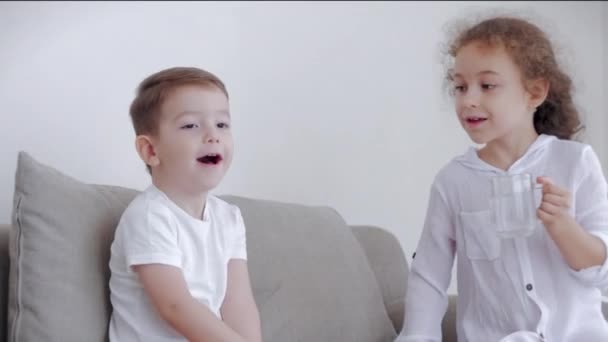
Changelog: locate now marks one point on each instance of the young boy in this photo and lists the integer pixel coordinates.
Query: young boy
(178, 260)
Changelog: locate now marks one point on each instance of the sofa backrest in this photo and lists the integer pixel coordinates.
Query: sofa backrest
(311, 278)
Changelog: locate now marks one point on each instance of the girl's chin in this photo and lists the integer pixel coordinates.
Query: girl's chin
(478, 139)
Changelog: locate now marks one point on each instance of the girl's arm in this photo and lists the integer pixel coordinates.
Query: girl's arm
(430, 274)
(239, 310)
(166, 287)
(579, 248)
(582, 238)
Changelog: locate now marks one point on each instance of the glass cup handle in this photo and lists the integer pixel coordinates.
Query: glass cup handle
(538, 187)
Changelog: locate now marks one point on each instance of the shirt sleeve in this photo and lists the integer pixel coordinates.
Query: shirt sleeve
(151, 237)
(591, 213)
(430, 274)
(239, 238)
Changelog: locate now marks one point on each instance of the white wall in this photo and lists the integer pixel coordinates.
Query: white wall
(334, 104)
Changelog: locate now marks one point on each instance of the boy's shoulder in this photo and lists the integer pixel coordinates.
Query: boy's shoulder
(221, 209)
(146, 202)
(152, 202)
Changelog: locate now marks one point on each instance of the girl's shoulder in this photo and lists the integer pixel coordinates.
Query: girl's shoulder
(568, 146)
(569, 151)
(457, 169)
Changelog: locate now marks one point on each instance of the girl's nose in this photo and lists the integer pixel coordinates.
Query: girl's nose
(470, 99)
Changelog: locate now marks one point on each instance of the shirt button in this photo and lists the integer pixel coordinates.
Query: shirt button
(414, 255)
(529, 287)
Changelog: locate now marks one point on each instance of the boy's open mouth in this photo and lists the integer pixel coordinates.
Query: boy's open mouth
(210, 159)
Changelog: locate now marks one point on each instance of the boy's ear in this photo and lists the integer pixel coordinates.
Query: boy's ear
(145, 148)
(538, 90)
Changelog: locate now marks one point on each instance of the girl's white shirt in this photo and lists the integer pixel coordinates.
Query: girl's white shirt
(517, 289)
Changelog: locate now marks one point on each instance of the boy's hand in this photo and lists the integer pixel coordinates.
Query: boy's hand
(168, 292)
(556, 201)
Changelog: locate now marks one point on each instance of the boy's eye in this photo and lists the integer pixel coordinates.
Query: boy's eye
(189, 126)
(223, 125)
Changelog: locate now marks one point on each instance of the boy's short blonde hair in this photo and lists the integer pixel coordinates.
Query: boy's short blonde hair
(152, 92)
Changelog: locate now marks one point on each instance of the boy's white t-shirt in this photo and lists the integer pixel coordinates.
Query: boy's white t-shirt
(153, 229)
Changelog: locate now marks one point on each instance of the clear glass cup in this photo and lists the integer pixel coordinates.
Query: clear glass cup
(513, 205)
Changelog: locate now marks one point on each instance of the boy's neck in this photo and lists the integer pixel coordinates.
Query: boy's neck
(503, 153)
(193, 203)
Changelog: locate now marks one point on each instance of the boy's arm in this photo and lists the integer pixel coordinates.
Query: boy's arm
(166, 287)
(239, 310)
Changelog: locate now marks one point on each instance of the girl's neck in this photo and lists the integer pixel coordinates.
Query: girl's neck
(505, 151)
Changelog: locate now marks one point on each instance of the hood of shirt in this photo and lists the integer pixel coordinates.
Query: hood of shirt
(470, 159)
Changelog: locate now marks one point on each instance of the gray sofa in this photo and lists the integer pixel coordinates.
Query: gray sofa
(314, 277)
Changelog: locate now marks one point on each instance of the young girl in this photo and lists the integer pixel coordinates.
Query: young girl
(511, 97)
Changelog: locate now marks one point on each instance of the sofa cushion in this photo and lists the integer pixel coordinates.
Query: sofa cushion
(59, 251)
(310, 276)
(388, 262)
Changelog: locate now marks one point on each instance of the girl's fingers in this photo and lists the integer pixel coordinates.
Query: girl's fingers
(557, 200)
(543, 180)
(550, 188)
(549, 208)
(543, 215)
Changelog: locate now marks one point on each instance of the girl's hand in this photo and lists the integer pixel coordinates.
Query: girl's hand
(556, 201)
(579, 248)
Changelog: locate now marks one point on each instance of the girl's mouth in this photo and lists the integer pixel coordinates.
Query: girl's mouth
(475, 121)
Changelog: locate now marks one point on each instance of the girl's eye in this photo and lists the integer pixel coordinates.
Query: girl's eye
(459, 88)
(488, 86)
(189, 126)
(223, 125)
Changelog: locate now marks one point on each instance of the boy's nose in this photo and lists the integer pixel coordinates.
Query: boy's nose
(211, 136)
(212, 139)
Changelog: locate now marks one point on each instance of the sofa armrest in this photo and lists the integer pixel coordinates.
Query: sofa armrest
(4, 270)
(448, 326)
(390, 267)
